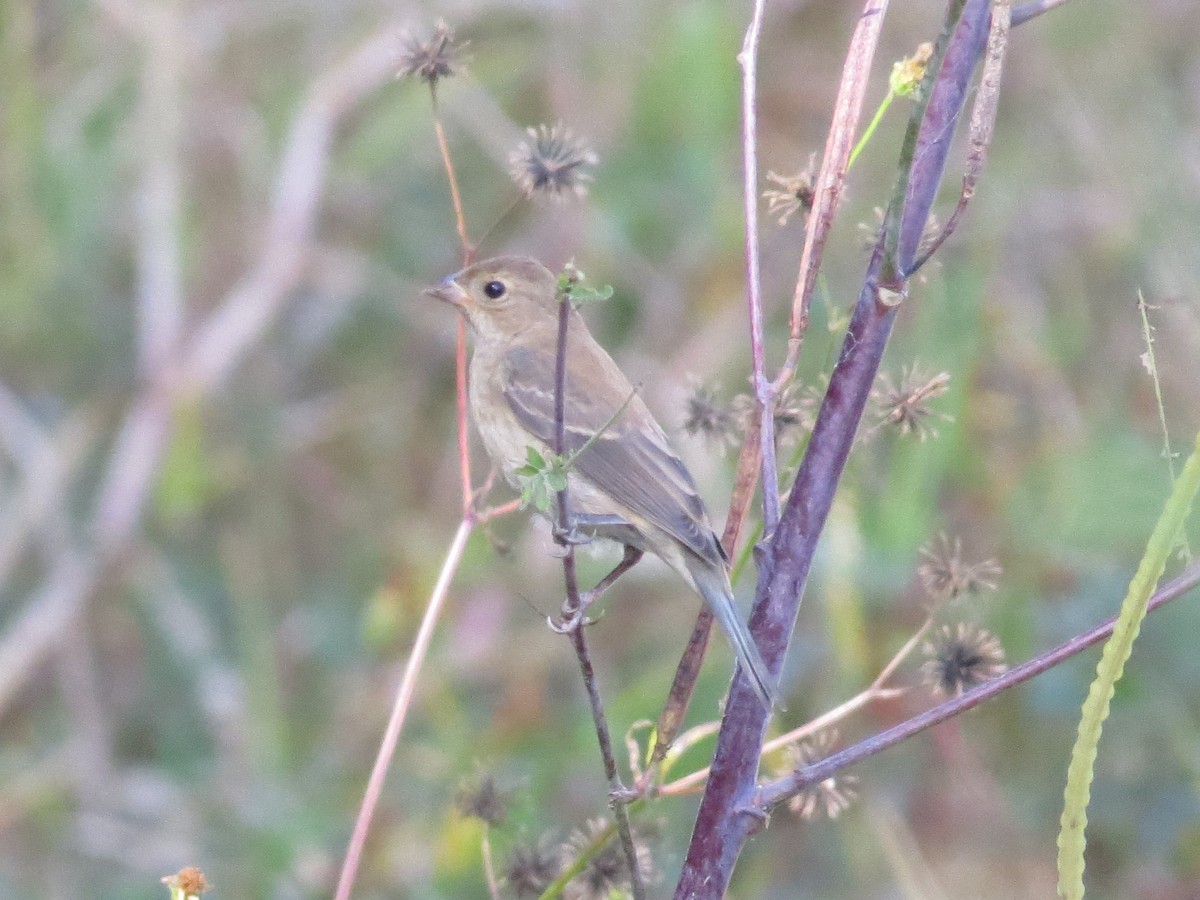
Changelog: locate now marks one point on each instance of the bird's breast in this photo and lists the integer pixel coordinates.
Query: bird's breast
(504, 438)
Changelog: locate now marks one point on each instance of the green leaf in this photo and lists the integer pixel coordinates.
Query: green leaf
(580, 293)
(572, 286)
(1071, 835)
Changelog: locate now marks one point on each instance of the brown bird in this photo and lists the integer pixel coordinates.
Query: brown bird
(629, 485)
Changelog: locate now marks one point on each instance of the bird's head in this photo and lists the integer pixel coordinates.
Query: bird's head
(501, 297)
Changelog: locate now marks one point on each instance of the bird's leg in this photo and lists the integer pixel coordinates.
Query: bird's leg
(572, 618)
(478, 496)
(631, 558)
(582, 528)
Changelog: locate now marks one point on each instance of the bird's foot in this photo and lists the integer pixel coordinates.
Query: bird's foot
(570, 535)
(568, 623)
(623, 796)
(583, 527)
(573, 617)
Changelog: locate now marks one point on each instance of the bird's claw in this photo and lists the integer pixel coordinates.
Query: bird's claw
(568, 623)
(569, 535)
(573, 618)
(623, 796)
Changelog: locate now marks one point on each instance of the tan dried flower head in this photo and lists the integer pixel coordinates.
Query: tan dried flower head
(905, 405)
(830, 797)
(606, 872)
(960, 658)
(795, 411)
(945, 576)
(907, 73)
(187, 884)
(794, 192)
(710, 418)
(532, 868)
(553, 161)
(433, 59)
(480, 798)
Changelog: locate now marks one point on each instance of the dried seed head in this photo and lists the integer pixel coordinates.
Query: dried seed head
(532, 868)
(606, 872)
(830, 797)
(794, 192)
(960, 657)
(706, 416)
(795, 411)
(905, 405)
(480, 798)
(186, 884)
(945, 576)
(553, 161)
(433, 59)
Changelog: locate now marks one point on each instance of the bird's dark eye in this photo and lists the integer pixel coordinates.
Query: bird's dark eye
(494, 289)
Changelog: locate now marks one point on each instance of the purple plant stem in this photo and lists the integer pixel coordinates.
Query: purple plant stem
(723, 822)
(727, 815)
(776, 792)
(946, 103)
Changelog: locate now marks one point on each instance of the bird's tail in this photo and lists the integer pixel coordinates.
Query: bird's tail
(713, 584)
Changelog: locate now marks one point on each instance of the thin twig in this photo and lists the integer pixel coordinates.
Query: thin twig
(391, 735)
(874, 691)
(764, 395)
(470, 518)
(983, 120)
(688, 670)
(772, 794)
(573, 613)
(691, 783)
(460, 220)
(460, 338)
(758, 444)
(496, 512)
(847, 111)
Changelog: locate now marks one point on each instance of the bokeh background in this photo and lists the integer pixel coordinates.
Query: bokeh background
(227, 451)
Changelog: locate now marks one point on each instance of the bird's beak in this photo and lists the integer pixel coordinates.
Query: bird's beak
(448, 291)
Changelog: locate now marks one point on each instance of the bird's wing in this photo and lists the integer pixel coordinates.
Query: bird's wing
(631, 460)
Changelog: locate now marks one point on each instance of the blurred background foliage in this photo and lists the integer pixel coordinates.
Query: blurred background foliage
(218, 695)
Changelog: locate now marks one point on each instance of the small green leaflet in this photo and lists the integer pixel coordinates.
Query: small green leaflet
(572, 286)
(542, 479)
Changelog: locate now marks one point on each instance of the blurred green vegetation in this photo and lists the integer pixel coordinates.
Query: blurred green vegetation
(220, 699)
